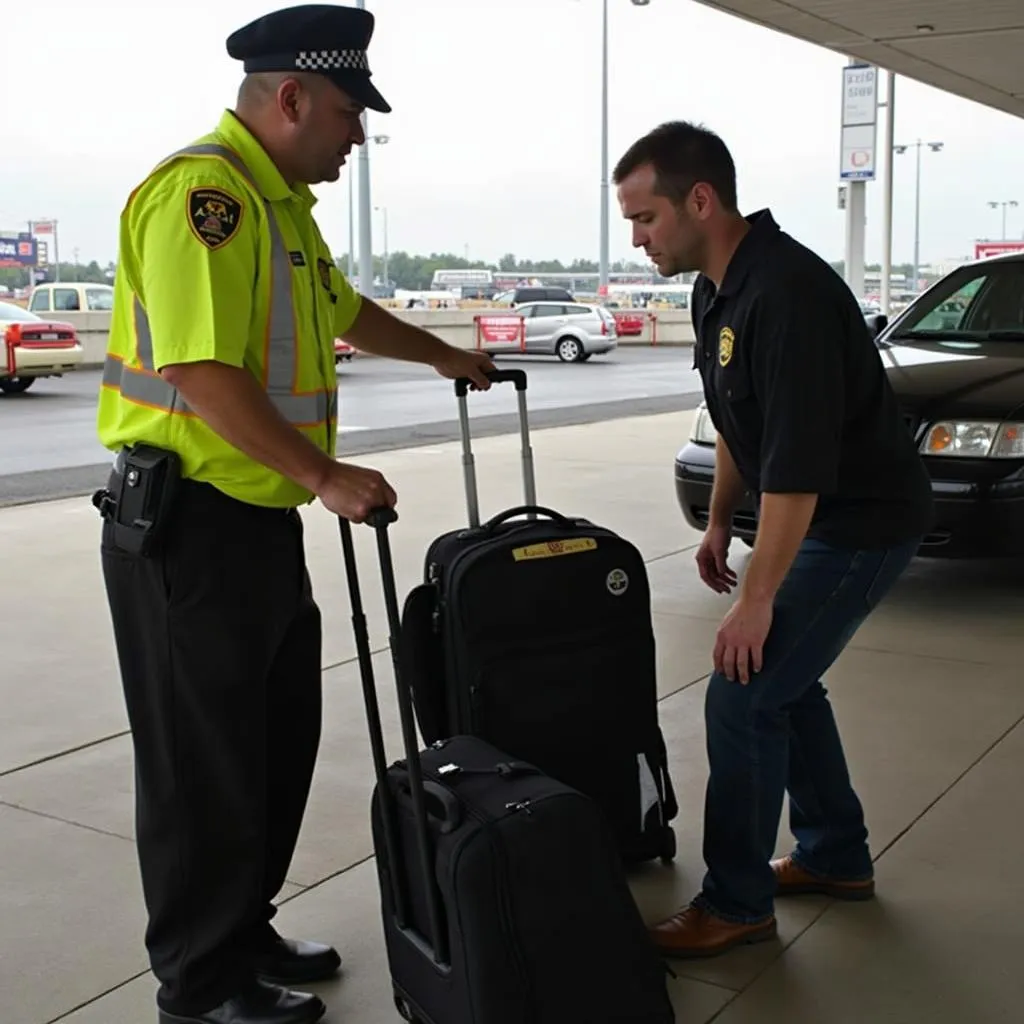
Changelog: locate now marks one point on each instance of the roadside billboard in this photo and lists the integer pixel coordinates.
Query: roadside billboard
(18, 250)
(983, 249)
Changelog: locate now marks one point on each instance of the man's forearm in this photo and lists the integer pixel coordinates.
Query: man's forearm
(380, 333)
(781, 529)
(728, 487)
(231, 401)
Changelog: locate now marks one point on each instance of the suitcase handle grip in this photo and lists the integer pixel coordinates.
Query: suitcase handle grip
(443, 806)
(527, 510)
(517, 377)
(383, 516)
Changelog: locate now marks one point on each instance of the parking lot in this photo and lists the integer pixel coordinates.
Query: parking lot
(929, 695)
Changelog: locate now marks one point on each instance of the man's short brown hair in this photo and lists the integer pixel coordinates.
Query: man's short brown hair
(683, 154)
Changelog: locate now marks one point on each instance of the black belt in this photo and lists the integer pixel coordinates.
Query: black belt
(117, 472)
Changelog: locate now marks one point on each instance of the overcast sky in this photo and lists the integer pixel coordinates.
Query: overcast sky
(495, 130)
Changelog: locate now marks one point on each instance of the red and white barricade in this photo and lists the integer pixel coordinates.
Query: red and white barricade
(505, 332)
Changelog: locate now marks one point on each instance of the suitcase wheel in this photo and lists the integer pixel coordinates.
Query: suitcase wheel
(669, 845)
(406, 1011)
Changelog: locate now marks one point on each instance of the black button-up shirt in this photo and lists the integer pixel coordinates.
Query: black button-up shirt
(795, 386)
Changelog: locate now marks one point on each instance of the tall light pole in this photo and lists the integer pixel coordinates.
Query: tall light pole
(351, 226)
(387, 276)
(603, 264)
(365, 207)
(1006, 203)
(890, 128)
(935, 147)
(365, 227)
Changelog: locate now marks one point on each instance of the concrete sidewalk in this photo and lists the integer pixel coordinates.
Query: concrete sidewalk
(930, 696)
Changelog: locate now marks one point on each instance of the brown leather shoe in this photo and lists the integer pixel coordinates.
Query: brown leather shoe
(793, 880)
(695, 932)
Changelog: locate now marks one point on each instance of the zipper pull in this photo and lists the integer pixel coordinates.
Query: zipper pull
(522, 805)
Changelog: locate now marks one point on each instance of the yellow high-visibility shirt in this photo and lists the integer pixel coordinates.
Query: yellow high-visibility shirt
(221, 260)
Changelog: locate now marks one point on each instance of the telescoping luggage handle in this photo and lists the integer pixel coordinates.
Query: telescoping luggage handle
(380, 520)
(462, 388)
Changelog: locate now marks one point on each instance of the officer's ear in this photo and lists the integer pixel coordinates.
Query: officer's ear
(289, 99)
(701, 201)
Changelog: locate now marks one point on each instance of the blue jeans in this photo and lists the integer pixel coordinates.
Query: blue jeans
(778, 734)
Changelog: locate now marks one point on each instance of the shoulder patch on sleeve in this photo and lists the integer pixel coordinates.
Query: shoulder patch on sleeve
(213, 215)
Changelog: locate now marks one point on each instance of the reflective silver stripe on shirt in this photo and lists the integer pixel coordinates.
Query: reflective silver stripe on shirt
(144, 385)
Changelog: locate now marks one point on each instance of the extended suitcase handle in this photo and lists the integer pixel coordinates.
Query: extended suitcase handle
(380, 519)
(517, 377)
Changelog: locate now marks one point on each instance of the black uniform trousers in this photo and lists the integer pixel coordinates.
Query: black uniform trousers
(219, 640)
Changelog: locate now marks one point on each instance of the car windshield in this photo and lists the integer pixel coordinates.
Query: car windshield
(981, 303)
(15, 314)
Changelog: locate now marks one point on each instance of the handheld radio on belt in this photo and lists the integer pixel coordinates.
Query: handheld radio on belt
(139, 495)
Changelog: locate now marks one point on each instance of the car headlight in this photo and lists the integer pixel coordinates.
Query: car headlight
(975, 439)
(703, 430)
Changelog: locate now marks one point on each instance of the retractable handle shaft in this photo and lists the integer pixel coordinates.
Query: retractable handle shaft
(462, 388)
(380, 519)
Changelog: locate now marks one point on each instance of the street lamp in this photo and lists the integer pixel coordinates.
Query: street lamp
(1004, 205)
(387, 276)
(605, 184)
(365, 234)
(935, 147)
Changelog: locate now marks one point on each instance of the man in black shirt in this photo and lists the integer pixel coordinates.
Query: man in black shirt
(807, 421)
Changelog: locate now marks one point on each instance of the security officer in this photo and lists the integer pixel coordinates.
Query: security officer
(220, 399)
(806, 421)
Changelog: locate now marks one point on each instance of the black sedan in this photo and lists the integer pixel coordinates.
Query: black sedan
(955, 358)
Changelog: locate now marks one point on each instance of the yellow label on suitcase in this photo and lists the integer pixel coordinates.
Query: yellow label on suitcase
(554, 547)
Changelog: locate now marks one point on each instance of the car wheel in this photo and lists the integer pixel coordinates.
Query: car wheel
(569, 350)
(16, 385)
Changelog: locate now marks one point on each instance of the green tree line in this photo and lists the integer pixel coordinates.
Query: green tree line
(405, 270)
(88, 273)
(414, 273)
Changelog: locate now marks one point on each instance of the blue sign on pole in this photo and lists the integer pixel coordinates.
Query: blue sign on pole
(18, 250)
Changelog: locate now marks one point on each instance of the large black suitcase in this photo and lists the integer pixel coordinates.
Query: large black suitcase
(503, 896)
(533, 631)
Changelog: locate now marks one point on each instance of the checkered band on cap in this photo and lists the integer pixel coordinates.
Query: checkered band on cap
(331, 60)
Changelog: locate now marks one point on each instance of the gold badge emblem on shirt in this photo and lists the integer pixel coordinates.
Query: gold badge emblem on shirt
(324, 269)
(213, 215)
(726, 341)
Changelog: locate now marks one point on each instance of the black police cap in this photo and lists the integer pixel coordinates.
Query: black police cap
(324, 39)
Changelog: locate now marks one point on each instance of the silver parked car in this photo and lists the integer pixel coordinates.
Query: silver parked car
(573, 331)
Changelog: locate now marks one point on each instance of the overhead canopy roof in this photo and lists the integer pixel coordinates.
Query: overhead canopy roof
(972, 48)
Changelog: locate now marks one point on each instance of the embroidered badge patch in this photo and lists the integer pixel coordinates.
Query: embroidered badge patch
(213, 215)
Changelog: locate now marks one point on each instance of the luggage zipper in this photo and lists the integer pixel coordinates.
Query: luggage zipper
(510, 929)
(508, 921)
(434, 579)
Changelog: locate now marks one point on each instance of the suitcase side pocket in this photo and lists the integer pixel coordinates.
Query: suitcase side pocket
(423, 667)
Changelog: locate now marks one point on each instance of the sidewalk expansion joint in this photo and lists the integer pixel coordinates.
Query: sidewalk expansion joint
(65, 821)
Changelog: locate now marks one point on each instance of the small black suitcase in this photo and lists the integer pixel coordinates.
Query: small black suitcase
(536, 635)
(503, 896)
